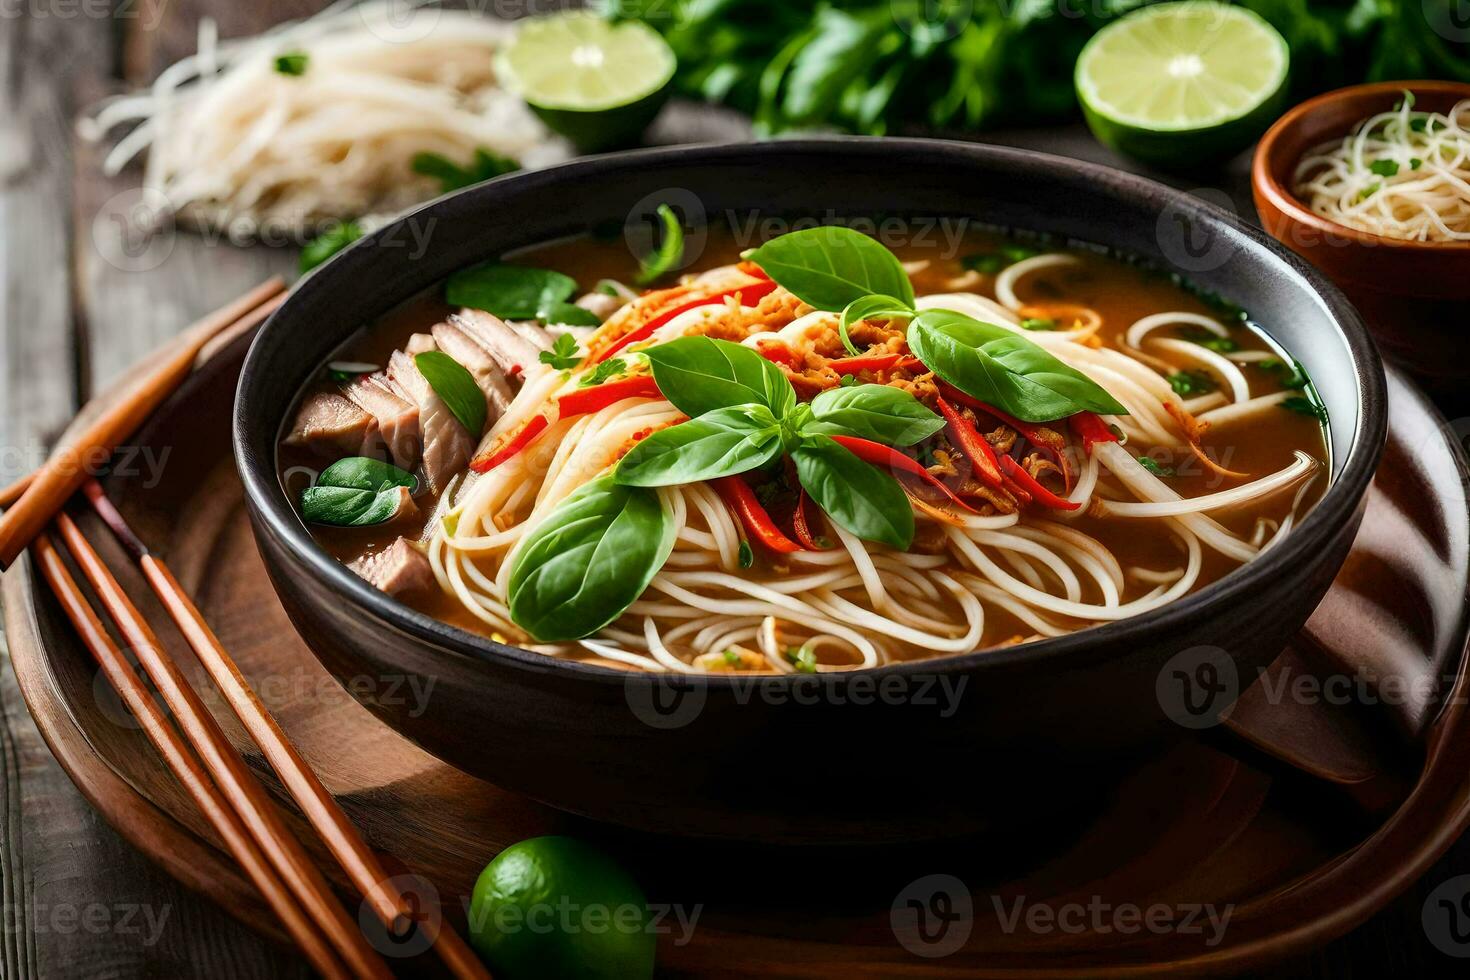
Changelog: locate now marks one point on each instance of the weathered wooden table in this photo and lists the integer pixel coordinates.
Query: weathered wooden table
(80, 306)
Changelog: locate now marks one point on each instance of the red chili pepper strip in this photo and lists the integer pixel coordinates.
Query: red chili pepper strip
(970, 442)
(778, 353)
(881, 455)
(748, 296)
(1047, 439)
(800, 525)
(741, 499)
(1091, 430)
(864, 362)
(586, 400)
(1030, 484)
(488, 461)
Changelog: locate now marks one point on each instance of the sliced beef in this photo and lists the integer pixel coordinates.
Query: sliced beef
(334, 426)
(510, 350)
(447, 444)
(396, 569)
(454, 341)
(397, 416)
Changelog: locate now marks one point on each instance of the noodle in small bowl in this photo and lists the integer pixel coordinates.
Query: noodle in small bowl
(1369, 184)
(928, 742)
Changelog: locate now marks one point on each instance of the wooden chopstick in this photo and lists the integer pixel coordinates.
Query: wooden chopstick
(183, 763)
(367, 872)
(13, 492)
(61, 475)
(245, 794)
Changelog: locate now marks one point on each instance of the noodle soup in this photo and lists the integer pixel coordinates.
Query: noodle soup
(825, 455)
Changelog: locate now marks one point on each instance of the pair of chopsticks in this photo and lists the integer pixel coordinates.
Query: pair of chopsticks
(208, 766)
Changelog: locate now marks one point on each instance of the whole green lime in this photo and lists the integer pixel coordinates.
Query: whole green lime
(559, 907)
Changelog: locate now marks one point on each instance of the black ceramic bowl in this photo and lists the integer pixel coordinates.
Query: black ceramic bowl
(915, 750)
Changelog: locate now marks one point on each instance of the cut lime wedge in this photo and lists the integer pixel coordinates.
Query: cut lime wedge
(1181, 85)
(599, 84)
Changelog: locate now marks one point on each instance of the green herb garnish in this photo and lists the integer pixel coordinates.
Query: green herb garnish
(1384, 168)
(846, 381)
(453, 383)
(356, 492)
(670, 251)
(328, 244)
(746, 555)
(803, 659)
(1038, 323)
(589, 560)
(607, 370)
(1303, 405)
(730, 655)
(1191, 383)
(1210, 341)
(292, 63)
(1288, 375)
(830, 267)
(564, 354)
(1415, 163)
(986, 263)
(451, 176)
(514, 292)
(1148, 463)
(744, 416)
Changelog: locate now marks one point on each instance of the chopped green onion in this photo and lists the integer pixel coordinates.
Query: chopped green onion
(292, 63)
(1150, 464)
(1384, 168)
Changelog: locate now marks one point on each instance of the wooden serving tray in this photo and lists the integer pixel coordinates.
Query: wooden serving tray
(1302, 819)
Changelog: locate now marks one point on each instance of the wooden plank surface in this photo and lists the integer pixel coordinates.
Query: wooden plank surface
(74, 319)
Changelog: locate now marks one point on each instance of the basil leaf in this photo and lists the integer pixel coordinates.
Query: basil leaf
(356, 492)
(882, 413)
(862, 498)
(1004, 369)
(718, 443)
(567, 315)
(453, 383)
(699, 374)
(869, 308)
(829, 267)
(512, 292)
(670, 252)
(589, 560)
(328, 244)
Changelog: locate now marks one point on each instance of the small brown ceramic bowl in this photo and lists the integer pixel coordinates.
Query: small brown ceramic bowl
(1412, 294)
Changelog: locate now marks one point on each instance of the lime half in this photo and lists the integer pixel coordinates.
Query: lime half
(1180, 85)
(599, 84)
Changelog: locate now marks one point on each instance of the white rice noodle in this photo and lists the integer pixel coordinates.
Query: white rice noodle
(1240, 388)
(1234, 497)
(1142, 328)
(232, 142)
(1005, 282)
(1149, 487)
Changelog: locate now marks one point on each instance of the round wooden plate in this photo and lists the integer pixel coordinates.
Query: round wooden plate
(1299, 818)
